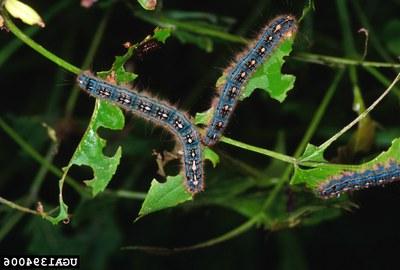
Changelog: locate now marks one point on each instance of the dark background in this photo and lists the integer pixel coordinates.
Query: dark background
(34, 90)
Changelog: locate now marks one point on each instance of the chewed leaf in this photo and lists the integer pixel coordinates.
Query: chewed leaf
(165, 195)
(90, 149)
(313, 178)
(269, 76)
(118, 70)
(90, 152)
(211, 156)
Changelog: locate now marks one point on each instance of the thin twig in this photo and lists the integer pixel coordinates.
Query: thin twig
(323, 146)
(18, 207)
(340, 61)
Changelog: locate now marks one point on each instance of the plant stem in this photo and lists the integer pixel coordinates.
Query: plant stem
(125, 194)
(379, 48)
(382, 79)
(38, 157)
(319, 113)
(14, 44)
(340, 61)
(40, 49)
(32, 197)
(17, 207)
(259, 150)
(227, 236)
(87, 62)
(323, 146)
(306, 138)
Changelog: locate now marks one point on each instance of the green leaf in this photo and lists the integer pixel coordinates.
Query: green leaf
(118, 70)
(269, 77)
(312, 153)
(204, 118)
(162, 34)
(90, 152)
(165, 195)
(90, 149)
(211, 156)
(62, 213)
(313, 177)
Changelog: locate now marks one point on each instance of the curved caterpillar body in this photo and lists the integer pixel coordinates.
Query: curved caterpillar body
(380, 175)
(238, 74)
(160, 113)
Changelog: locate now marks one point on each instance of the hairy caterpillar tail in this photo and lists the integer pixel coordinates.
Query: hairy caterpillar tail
(241, 70)
(160, 113)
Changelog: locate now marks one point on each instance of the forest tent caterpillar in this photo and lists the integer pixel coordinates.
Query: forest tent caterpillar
(160, 113)
(279, 29)
(379, 175)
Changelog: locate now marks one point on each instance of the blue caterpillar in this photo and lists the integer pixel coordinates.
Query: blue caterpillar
(159, 113)
(349, 181)
(178, 123)
(240, 71)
